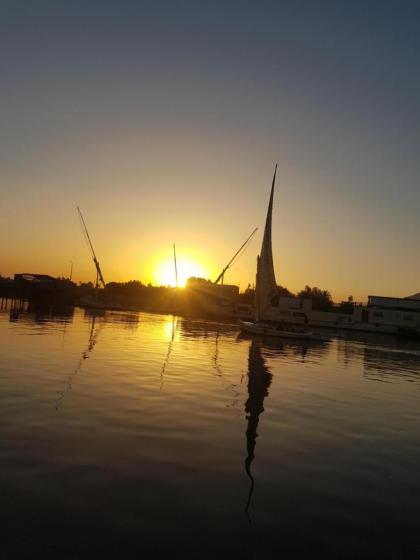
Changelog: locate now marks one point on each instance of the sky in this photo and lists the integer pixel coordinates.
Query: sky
(163, 121)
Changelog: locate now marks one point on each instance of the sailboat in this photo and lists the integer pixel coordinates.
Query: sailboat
(266, 291)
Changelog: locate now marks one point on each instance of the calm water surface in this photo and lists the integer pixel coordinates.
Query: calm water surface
(127, 433)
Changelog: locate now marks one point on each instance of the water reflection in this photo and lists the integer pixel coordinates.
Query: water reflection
(128, 320)
(230, 387)
(170, 345)
(92, 340)
(35, 313)
(289, 348)
(259, 381)
(216, 353)
(192, 328)
(349, 447)
(386, 365)
(24, 311)
(382, 358)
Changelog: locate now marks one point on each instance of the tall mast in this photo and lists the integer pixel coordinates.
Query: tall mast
(222, 274)
(99, 277)
(176, 268)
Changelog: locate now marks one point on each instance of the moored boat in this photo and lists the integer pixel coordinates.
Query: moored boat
(266, 290)
(278, 330)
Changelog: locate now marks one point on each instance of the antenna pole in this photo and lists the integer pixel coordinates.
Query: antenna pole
(176, 268)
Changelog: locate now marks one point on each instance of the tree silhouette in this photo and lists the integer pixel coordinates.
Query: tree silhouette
(321, 299)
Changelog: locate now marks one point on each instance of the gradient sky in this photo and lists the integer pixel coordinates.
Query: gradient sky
(163, 120)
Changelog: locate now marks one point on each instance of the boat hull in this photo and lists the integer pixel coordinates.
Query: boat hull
(267, 330)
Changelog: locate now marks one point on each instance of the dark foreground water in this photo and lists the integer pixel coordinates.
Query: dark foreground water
(141, 436)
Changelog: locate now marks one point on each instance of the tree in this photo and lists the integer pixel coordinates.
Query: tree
(321, 299)
(284, 292)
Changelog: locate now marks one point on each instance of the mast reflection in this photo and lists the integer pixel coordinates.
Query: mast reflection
(259, 381)
(168, 354)
(93, 339)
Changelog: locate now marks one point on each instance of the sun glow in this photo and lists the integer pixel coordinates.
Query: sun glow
(164, 272)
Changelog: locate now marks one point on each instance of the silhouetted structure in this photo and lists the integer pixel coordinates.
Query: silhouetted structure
(39, 288)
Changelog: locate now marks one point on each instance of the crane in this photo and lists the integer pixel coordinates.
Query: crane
(99, 277)
(241, 248)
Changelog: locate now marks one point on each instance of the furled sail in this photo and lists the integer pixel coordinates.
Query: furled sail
(266, 287)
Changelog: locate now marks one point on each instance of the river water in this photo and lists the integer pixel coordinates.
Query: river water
(127, 434)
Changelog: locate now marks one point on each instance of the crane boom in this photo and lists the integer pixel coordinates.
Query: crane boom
(99, 276)
(221, 275)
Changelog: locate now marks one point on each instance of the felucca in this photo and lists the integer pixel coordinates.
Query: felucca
(266, 291)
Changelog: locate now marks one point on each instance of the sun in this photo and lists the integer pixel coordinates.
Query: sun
(165, 271)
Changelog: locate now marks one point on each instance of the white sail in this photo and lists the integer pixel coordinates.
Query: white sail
(266, 287)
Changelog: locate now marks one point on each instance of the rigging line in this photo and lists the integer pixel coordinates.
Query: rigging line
(241, 248)
(248, 241)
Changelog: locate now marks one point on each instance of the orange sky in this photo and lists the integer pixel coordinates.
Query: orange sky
(133, 240)
(164, 126)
